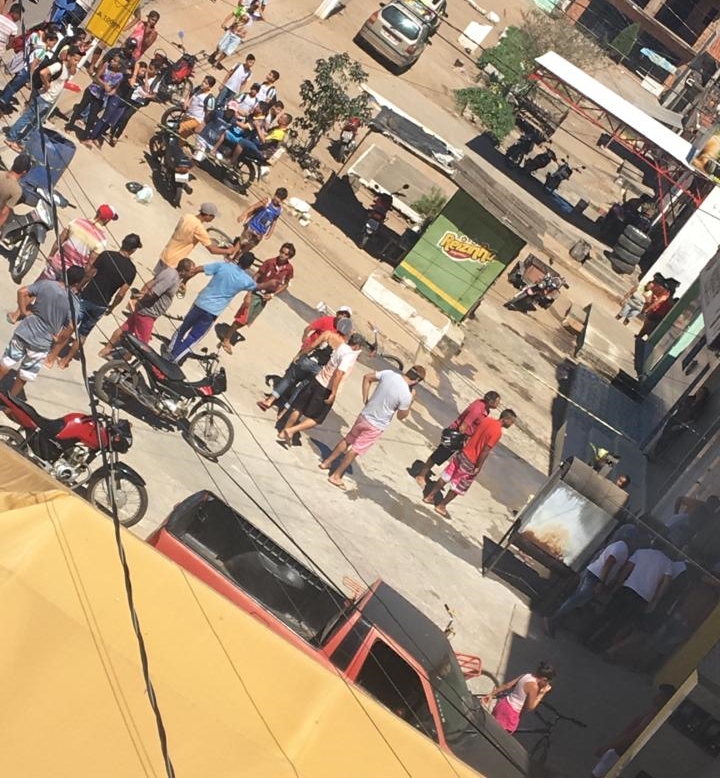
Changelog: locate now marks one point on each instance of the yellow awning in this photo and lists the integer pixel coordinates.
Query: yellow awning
(236, 699)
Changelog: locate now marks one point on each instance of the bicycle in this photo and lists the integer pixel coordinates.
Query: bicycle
(374, 347)
(540, 750)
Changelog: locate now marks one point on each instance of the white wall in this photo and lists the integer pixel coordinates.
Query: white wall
(693, 247)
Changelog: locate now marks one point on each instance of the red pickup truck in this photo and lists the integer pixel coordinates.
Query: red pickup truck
(377, 640)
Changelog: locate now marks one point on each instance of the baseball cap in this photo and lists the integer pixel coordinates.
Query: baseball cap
(209, 209)
(107, 213)
(345, 309)
(344, 326)
(132, 241)
(233, 105)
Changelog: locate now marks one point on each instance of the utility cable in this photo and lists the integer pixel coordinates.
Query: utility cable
(100, 429)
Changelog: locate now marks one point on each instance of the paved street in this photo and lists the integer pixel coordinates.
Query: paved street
(379, 527)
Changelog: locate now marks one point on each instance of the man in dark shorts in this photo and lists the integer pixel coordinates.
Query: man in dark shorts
(153, 300)
(464, 426)
(316, 398)
(110, 277)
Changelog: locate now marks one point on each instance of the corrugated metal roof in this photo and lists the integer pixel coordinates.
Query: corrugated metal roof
(623, 110)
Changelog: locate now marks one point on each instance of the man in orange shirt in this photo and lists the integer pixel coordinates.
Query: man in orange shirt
(466, 464)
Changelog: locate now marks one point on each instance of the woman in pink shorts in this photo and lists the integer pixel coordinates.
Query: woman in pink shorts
(525, 692)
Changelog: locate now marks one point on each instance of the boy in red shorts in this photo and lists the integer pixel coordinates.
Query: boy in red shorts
(154, 300)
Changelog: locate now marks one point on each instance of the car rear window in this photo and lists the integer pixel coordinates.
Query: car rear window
(403, 23)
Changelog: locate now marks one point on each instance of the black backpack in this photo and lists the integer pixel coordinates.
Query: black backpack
(37, 83)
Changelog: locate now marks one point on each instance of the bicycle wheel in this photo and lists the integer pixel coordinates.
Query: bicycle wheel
(219, 238)
(541, 749)
(394, 361)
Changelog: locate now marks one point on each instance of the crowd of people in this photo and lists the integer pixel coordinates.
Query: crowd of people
(639, 599)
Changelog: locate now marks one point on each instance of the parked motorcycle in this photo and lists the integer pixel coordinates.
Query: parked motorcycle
(175, 83)
(23, 233)
(523, 146)
(377, 214)
(539, 161)
(543, 293)
(66, 447)
(562, 173)
(170, 162)
(348, 138)
(160, 385)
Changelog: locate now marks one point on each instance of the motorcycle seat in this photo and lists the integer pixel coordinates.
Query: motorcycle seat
(50, 426)
(165, 366)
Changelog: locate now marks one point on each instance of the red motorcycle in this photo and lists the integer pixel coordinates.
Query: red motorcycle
(66, 447)
(348, 138)
(175, 82)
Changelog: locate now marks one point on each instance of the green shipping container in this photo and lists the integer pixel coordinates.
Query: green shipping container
(459, 256)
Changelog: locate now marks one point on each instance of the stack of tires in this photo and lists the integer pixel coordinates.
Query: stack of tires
(629, 250)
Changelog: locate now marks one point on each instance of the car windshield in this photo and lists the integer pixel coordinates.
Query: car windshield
(452, 696)
(402, 22)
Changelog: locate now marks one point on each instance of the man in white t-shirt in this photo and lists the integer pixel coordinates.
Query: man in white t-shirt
(53, 78)
(393, 394)
(235, 81)
(316, 398)
(196, 107)
(599, 575)
(639, 587)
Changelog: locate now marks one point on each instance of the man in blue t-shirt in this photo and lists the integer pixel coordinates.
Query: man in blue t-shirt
(227, 279)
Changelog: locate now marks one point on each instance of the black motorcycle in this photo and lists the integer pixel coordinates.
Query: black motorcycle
(160, 385)
(171, 164)
(539, 161)
(523, 146)
(23, 233)
(542, 293)
(562, 173)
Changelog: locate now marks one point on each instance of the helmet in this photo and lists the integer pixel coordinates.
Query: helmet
(131, 43)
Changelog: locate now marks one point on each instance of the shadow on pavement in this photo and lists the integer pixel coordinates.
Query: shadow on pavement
(339, 204)
(535, 188)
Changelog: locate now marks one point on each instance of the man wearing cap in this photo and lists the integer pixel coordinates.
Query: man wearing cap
(190, 231)
(10, 190)
(314, 353)
(227, 279)
(80, 243)
(107, 281)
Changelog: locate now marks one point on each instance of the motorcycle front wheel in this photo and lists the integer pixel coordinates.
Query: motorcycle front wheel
(210, 433)
(23, 259)
(180, 92)
(131, 498)
(113, 380)
(11, 437)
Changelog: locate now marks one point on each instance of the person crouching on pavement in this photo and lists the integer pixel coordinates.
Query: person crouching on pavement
(467, 463)
(316, 398)
(314, 353)
(395, 392)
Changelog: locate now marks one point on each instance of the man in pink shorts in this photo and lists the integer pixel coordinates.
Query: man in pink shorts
(153, 301)
(394, 394)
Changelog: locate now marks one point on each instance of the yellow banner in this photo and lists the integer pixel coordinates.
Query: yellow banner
(109, 19)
